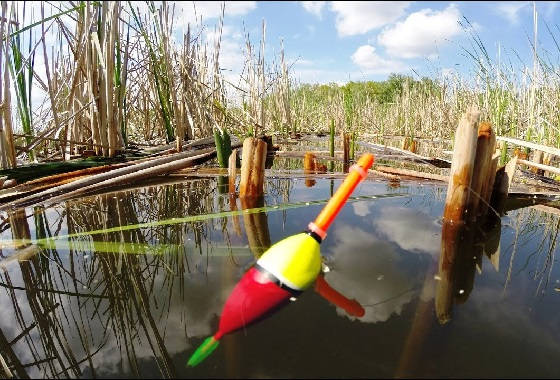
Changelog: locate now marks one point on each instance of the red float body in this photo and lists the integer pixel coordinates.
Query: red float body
(253, 296)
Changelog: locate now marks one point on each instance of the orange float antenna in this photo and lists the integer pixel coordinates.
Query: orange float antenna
(356, 174)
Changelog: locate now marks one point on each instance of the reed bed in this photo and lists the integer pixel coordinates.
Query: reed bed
(117, 74)
(114, 75)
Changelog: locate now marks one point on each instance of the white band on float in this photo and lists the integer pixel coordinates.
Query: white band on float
(359, 169)
(318, 230)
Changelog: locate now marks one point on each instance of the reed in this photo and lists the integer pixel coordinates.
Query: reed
(23, 81)
(118, 77)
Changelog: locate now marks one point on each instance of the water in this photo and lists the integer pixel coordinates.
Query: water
(98, 300)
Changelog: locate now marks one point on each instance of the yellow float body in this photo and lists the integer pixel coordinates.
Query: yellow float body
(295, 261)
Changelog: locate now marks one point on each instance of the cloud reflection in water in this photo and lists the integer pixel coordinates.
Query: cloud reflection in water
(371, 267)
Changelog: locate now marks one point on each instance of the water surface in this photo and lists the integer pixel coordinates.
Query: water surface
(81, 296)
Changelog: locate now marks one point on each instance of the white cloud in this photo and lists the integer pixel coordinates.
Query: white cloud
(359, 17)
(361, 208)
(421, 33)
(314, 7)
(510, 9)
(410, 229)
(369, 270)
(371, 63)
(232, 53)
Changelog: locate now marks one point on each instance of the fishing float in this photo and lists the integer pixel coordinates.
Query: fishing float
(285, 270)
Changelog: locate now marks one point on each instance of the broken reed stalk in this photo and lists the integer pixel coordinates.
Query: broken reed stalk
(488, 186)
(7, 149)
(530, 145)
(149, 172)
(413, 146)
(101, 178)
(58, 179)
(461, 172)
(390, 177)
(405, 143)
(410, 173)
(252, 168)
(547, 158)
(179, 137)
(232, 170)
(352, 145)
(502, 183)
(542, 167)
(486, 145)
(346, 146)
(346, 150)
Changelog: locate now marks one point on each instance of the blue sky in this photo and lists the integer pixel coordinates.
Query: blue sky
(341, 41)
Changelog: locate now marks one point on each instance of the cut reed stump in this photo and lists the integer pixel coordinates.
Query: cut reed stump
(232, 170)
(413, 146)
(311, 166)
(454, 214)
(308, 168)
(461, 172)
(405, 143)
(482, 175)
(252, 168)
(251, 194)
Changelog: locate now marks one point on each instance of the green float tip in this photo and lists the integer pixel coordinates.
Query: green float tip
(202, 352)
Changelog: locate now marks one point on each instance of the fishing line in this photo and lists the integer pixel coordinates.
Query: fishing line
(192, 218)
(416, 288)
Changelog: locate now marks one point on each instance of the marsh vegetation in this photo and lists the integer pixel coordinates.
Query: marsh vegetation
(121, 236)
